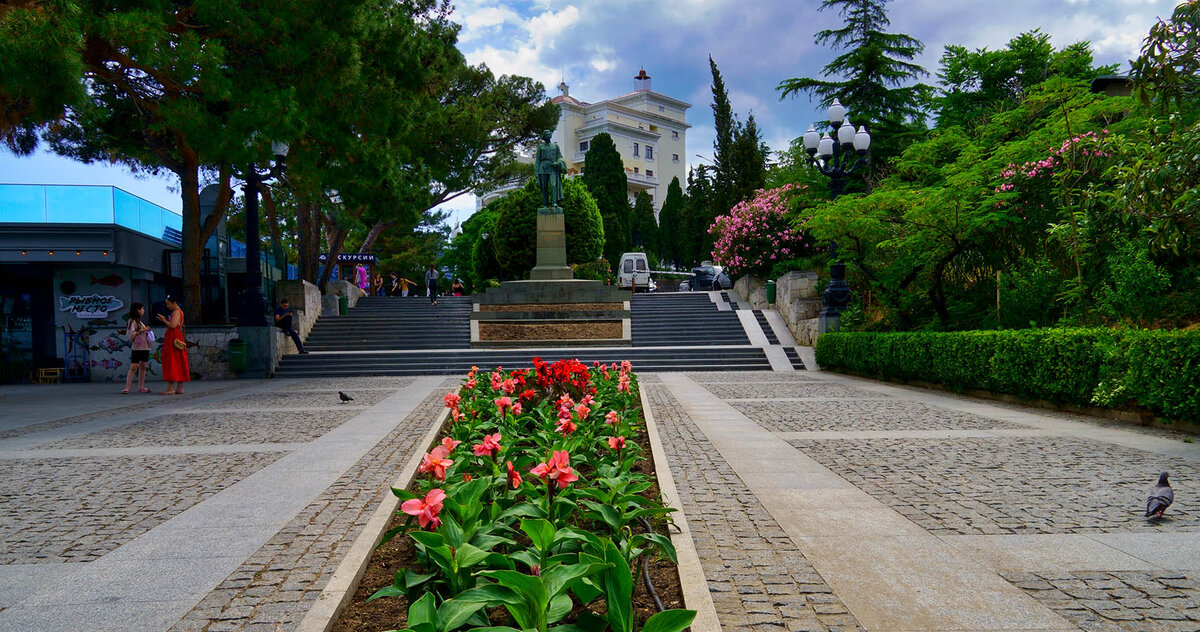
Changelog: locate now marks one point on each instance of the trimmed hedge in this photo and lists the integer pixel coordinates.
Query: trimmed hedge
(1158, 370)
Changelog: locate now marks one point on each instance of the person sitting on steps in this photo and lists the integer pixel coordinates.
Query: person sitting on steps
(283, 320)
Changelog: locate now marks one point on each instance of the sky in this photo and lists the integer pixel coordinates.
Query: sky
(597, 46)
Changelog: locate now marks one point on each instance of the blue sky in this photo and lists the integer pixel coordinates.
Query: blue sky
(598, 45)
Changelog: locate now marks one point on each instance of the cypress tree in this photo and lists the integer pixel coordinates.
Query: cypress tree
(645, 229)
(669, 218)
(604, 176)
(748, 163)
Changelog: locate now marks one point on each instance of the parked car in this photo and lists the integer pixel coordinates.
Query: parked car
(707, 278)
(634, 272)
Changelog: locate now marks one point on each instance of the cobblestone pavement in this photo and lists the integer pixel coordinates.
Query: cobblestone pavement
(758, 580)
(784, 416)
(1117, 601)
(1069, 476)
(1009, 485)
(83, 533)
(76, 510)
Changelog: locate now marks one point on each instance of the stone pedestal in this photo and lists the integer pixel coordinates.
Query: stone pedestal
(551, 246)
(547, 313)
(262, 351)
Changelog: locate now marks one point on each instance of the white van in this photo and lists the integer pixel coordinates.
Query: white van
(634, 272)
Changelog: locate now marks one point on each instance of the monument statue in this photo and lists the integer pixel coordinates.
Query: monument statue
(550, 169)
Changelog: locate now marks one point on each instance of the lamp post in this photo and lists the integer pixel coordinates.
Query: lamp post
(836, 156)
(253, 308)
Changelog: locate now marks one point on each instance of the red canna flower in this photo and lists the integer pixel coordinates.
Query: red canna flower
(514, 477)
(489, 447)
(466, 478)
(556, 470)
(612, 418)
(616, 443)
(435, 463)
(565, 425)
(516, 408)
(426, 510)
(449, 443)
(582, 411)
(452, 400)
(528, 394)
(503, 404)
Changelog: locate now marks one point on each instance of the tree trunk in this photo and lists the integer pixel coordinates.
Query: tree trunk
(273, 229)
(336, 239)
(193, 245)
(373, 235)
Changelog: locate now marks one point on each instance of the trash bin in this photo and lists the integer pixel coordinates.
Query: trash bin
(343, 305)
(237, 355)
(771, 292)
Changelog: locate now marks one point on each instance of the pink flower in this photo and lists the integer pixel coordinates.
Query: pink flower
(612, 418)
(449, 443)
(565, 426)
(582, 411)
(509, 386)
(489, 447)
(426, 510)
(503, 404)
(470, 384)
(452, 400)
(514, 477)
(516, 408)
(616, 443)
(435, 463)
(495, 380)
(623, 384)
(556, 470)
(626, 366)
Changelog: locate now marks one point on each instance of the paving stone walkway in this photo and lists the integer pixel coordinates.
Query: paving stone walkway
(225, 509)
(820, 501)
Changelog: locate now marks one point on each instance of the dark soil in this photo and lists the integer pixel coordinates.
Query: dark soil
(391, 613)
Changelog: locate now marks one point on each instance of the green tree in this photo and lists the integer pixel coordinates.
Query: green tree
(875, 75)
(669, 223)
(645, 229)
(748, 162)
(698, 214)
(604, 175)
(41, 62)
(515, 234)
(739, 155)
(1168, 70)
(459, 255)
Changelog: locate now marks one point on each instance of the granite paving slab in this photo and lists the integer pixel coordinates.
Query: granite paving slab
(1099, 601)
(347, 384)
(758, 578)
(972, 486)
(78, 509)
(215, 428)
(859, 415)
(300, 399)
(749, 377)
(276, 585)
(773, 390)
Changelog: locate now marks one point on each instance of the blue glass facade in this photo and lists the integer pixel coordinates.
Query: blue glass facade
(87, 204)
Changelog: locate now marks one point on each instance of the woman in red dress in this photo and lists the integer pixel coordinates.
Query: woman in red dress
(175, 369)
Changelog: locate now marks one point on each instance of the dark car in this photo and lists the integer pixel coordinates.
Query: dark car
(709, 278)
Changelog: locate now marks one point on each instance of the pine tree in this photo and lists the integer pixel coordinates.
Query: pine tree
(874, 71)
(669, 218)
(604, 175)
(645, 229)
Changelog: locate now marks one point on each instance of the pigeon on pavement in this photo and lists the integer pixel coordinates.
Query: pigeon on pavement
(346, 398)
(1160, 498)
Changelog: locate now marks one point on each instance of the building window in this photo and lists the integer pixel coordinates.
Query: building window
(635, 149)
(662, 109)
(649, 152)
(635, 170)
(583, 145)
(674, 135)
(649, 173)
(674, 157)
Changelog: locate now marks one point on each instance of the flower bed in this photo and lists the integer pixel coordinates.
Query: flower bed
(535, 510)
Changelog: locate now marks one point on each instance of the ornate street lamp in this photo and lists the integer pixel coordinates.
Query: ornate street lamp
(253, 309)
(836, 156)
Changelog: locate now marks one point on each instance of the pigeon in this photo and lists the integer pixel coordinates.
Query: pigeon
(1160, 498)
(344, 397)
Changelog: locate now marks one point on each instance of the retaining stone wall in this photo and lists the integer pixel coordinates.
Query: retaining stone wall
(796, 299)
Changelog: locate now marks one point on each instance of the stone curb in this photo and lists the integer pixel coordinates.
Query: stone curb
(691, 574)
(341, 586)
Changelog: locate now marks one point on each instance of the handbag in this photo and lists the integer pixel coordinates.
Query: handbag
(181, 342)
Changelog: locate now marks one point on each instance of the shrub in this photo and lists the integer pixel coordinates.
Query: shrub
(758, 233)
(516, 227)
(1137, 286)
(1156, 369)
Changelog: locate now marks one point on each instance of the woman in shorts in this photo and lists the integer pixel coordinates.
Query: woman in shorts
(139, 344)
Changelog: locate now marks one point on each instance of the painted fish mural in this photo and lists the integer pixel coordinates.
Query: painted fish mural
(111, 344)
(108, 363)
(112, 280)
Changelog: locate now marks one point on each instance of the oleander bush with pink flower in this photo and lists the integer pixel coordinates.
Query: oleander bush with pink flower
(758, 233)
(528, 514)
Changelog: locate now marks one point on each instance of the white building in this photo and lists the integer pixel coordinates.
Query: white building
(649, 130)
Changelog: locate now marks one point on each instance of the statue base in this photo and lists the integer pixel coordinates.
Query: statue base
(551, 313)
(551, 246)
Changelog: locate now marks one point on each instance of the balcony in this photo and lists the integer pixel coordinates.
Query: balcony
(641, 179)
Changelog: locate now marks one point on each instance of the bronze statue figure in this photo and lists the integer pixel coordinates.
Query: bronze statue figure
(550, 169)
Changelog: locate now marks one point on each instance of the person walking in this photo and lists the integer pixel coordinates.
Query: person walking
(175, 368)
(457, 288)
(431, 281)
(140, 338)
(406, 286)
(393, 284)
(283, 320)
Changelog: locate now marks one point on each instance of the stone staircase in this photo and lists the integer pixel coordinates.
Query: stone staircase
(673, 331)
